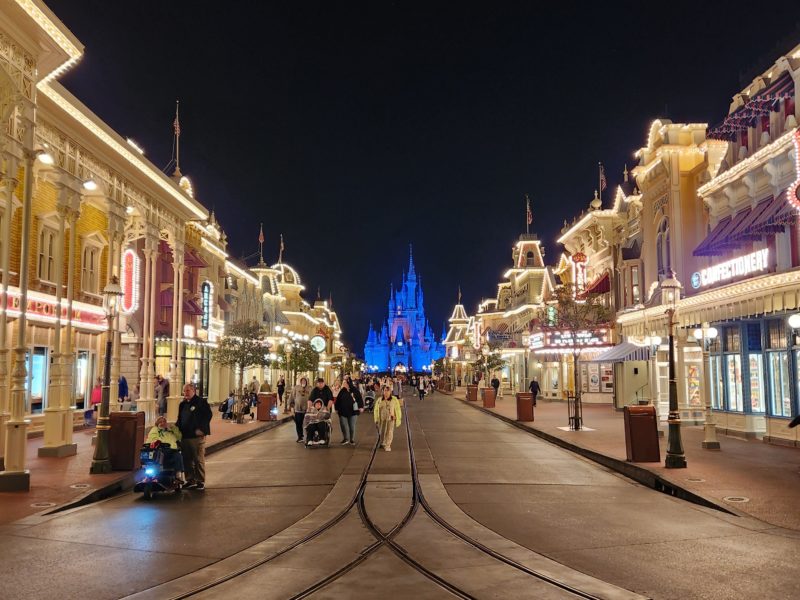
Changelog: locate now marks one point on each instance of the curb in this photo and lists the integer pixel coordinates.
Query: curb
(128, 480)
(638, 474)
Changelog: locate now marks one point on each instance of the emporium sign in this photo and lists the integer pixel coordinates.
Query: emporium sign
(45, 310)
(732, 269)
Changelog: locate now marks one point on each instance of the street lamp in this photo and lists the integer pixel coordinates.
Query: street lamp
(101, 462)
(676, 459)
(705, 336)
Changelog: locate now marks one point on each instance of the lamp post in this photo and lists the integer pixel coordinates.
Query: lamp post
(485, 351)
(670, 294)
(705, 336)
(101, 462)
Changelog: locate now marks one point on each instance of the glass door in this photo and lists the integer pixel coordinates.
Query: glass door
(36, 398)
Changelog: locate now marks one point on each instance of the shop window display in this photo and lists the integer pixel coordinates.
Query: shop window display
(733, 380)
(717, 397)
(756, 383)
(780, 398)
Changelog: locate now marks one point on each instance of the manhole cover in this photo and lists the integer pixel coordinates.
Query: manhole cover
(43, 504)
(80, 486)
(695, 479)
(738, 499)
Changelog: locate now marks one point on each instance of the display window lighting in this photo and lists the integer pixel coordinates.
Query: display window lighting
(46, 158)
(90, 185)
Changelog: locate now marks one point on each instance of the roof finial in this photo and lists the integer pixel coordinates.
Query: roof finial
(176, 126)
(459, 294)
(319, 295)
(280, 252)
(261, 244)
(625, 173)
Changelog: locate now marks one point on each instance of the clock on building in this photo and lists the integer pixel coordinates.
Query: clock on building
(318, 343)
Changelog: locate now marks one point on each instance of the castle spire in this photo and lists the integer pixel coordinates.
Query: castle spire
(412, 275)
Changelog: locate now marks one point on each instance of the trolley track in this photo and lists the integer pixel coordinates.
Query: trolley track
(387, 539)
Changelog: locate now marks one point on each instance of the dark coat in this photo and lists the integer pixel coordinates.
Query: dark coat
(193, 414)
(344, 403)
(325, 394)
(534, 388)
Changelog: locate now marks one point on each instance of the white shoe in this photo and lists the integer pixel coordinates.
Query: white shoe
(388, 448)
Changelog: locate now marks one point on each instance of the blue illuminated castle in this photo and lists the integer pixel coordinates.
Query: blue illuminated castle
(405, 341)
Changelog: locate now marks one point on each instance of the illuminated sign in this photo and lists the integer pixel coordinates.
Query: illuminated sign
(206, 294)
(41, 309)
(793, 194)
(565, 339)
(578, 273)
(130, 281)
(731, 269)
(318, 343)
(537, 340)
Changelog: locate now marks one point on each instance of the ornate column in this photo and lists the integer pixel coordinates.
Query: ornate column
(9, 184)
(154, 285)
(54, 426)
(175, 384)
(67, 349)
(146, 392)
(15, 477)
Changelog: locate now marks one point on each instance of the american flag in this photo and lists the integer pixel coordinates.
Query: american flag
(260, 233)
(529, 214)
(603, 182)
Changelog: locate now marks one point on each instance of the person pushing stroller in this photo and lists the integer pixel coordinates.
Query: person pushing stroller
(317, 424)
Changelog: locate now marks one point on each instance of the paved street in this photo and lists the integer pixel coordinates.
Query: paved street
(281, 521)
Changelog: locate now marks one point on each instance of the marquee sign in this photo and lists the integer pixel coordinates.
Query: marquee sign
(206, 295)
(130, 281)
(565, 339)
(794, 190)
(738, 267)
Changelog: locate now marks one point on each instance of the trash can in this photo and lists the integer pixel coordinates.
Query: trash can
(524, 406)
(472, 393)
(267, 409)
(488, 397)
(125, 439)
(641, 434)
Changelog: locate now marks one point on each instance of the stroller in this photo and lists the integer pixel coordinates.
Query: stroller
(318, 430)
(369, 401)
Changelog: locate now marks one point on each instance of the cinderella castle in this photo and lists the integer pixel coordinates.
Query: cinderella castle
(406, 340)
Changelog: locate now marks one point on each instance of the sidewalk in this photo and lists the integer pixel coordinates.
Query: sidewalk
(768, 476)
(53, 480)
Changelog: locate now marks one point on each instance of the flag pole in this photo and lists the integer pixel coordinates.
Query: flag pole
(600, 181)
(177, 126)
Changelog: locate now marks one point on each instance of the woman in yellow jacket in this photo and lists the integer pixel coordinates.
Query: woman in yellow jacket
(168, 435)
(388, 414)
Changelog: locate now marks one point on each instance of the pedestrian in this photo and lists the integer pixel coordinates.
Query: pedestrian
(348, 408)
(265, 387)
(122, 389)
(194, 422)
(134, 397)
(95, 398)
(534, 388)
(281, 390)
(299, 404)
(323, 392)
(254, 386)
(388, 416)
(495, 385)
(169, 436)
(421, 388)
(162, 393)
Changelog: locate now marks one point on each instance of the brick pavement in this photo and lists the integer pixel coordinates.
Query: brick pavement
(51, 478)
(766, 474)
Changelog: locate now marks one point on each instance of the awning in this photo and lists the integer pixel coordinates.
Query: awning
(191, 260)
(761, 104)
(720, 240)
(601, 285)
(623, 352)
(190, 307)
(774, 220)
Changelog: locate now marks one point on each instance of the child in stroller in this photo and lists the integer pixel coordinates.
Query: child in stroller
(317, 425)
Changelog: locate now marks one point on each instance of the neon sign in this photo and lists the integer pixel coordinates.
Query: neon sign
(737, 267)
(794, 190)
(206, 294)
(130, 281)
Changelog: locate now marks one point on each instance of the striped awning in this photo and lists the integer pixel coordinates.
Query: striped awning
(623, 352)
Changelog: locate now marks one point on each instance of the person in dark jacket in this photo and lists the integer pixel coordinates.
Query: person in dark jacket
(495, 385)
(194, 421)
(534, 388)
(281, 390)
(322, 392)
(348, 407)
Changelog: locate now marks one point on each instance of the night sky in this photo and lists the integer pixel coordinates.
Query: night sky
(356, 129)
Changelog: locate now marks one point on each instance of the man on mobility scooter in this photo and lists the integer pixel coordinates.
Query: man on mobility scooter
(317, 425)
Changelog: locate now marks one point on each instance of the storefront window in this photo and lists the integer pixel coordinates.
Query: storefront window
(780, 401)
(83, 378)
(635, 294)
(37, 380)
(163, 355)
(733, 380)
(756, 383)
(715, 365)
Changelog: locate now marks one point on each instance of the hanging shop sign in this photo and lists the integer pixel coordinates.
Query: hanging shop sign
(206, 294)
(537, 340)
(581, 339)
(318, 343)
(732, 269)
(130, 281)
